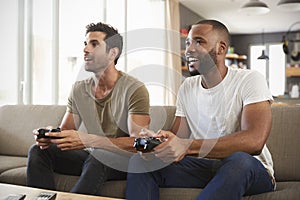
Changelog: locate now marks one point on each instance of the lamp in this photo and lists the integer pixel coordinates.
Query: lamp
(289, 5)
(263, 55)
(255, 7)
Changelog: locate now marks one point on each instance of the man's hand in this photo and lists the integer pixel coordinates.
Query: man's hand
(43, 143)
(146, 133)
(173, 149)
(69, 139)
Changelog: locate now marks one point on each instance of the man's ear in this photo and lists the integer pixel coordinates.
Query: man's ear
(114, 52)
(222, 48)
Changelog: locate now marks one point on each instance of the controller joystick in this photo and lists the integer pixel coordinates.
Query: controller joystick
(146, 144)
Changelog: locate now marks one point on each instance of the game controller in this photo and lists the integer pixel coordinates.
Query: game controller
(146, 144)
(43, 131)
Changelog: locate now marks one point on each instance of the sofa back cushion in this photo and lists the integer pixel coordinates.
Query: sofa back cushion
(284, 142)
(18, 121)
(162, 117)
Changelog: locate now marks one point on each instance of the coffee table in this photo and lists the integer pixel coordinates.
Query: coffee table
(31, 193)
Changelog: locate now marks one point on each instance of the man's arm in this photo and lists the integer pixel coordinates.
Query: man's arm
(74, 139)
(70, 121)
(135, 124)
(138, 103)
(181, 128)
(256, 124)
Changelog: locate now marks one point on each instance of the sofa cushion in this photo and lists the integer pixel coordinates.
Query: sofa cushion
(18, 121)
(13, 170)
(15, 176)
(11, 162)
(114, 188)
(64, 182)
(284, 142)
(285, 190)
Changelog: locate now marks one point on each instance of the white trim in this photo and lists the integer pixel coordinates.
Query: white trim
(125, 36)
(21, 17)
(27, 86)
(55, 51)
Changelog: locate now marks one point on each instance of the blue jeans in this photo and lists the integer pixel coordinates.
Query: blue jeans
(42, 164)
(230, 178)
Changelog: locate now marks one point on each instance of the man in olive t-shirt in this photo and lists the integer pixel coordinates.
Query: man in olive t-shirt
(111, 105)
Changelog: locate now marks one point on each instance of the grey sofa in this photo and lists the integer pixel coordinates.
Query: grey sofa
(18, 121)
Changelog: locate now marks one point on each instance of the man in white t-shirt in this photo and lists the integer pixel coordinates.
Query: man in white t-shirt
(223, 120)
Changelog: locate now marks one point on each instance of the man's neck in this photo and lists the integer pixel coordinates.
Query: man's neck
(214, 77)
(105, 82)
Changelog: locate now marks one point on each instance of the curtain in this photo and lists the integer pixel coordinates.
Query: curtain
(173, 75)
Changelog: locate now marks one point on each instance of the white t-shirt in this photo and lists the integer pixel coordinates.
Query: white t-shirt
(215, 112)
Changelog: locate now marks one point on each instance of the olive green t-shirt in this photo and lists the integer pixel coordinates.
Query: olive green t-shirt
(109, 116)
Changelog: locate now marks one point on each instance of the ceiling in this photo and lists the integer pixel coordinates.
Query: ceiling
(227, 11)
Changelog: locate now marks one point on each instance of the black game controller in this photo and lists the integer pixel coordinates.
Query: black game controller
(42, 132)
(146, 144)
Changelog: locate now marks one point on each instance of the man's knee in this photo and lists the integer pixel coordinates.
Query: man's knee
(241, 160)
(145, 163)
(33, 149)
(36, 153)
(94, 164)
(33, 152)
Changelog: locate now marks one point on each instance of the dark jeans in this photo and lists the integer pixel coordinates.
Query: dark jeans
(231, 178)
(43, 163)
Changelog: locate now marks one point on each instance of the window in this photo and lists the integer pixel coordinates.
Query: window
(41, 78)
(277, 70)
(273, 69)
(73, 18)
(44, 54)
(146, 45)
(256, 64)
(9, 71)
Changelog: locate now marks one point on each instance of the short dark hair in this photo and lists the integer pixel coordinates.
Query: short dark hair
(217, 26)
(113, 38)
